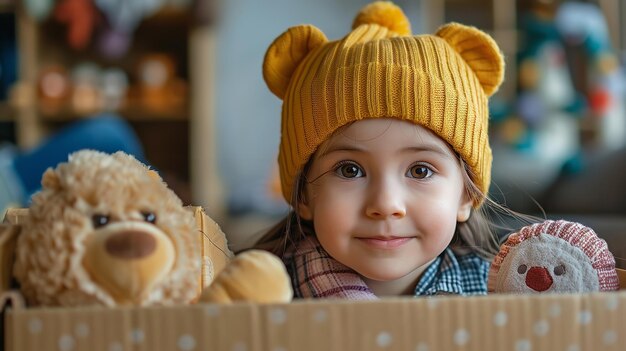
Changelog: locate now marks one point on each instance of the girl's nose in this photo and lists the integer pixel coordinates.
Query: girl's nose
(385, 201)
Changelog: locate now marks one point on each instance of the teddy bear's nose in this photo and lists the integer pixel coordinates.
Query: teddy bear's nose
(538, 279)
(130, 245)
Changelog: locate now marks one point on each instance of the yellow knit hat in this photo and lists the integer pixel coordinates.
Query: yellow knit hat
(439, 81)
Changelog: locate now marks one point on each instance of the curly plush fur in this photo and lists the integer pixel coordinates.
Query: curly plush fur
(66, 217)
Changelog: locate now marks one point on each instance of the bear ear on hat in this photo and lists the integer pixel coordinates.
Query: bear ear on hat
(479, 51)
(285, 54)
(385, 14)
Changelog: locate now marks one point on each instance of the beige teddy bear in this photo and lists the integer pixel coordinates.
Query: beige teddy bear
(106, 230)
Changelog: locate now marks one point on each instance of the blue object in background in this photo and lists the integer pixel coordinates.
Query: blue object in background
(107, 133)
(21, 170)
(8, 53)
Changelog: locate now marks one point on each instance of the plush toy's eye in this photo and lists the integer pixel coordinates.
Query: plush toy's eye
(149, 217)
(522, 269)
(559, 270)
(99, 220)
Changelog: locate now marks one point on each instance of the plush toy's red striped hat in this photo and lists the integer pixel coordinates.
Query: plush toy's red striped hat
(578, 236)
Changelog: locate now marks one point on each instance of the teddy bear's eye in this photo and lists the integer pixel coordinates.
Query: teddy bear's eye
(559, 270)
(149, 217)
(99, 220)
(522, 269)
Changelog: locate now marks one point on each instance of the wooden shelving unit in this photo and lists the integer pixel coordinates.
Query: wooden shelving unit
(6, 7)
(6, 111)
(178, 140)
(131, 113)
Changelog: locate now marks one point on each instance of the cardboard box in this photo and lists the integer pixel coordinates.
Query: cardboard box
(573, 322)
(503, 322)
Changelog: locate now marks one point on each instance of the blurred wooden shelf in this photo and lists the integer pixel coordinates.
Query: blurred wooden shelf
(7, 8)
(133, 113)
(140, 113)
(169, 14)
(7, 113)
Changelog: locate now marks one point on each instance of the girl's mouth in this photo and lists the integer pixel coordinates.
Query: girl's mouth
(385, 242)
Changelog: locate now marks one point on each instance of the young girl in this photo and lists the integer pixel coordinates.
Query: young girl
(384, 157)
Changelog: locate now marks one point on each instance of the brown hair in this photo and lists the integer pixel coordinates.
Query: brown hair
(477, 234)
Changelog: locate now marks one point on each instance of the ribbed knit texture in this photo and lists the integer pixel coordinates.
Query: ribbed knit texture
(574, 233)
(441, 82)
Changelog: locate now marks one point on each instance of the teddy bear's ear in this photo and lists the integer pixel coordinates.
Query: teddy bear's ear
(285, 54)
(154, 175)
(479, 51)
(51, 180)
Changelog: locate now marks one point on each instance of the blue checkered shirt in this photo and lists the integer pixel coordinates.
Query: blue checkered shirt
(455, 274)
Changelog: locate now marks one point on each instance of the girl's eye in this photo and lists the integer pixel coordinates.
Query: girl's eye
(99, 220)
(149, 217)
(349, 170)
(419, 172)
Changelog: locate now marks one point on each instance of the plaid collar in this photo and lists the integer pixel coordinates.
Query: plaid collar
(315, 274)
(452, 274)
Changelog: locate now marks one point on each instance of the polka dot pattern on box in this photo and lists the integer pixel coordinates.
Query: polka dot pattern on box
(384, 339)
(518, 323)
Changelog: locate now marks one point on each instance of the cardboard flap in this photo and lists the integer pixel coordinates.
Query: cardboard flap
(15, 215)
(13, 298)
(215, 252)
(8, 239)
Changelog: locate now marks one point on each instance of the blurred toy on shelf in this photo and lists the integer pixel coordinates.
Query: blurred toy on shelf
(140, 82)
(86, 95)
(84, 91)
(54, 88)
(568, 108)
(39, 9)
(82, 58)
(546, 96)
(596, 71)
(123, 17)
(81, 18)
(113, 44)
(89, 88)
(542, 125)
(158, 87)
(109, 24)
(114, 86)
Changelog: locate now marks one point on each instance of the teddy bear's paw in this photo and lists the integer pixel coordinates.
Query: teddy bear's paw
(255, 276)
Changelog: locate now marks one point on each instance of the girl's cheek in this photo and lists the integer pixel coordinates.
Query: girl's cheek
(315, 190)
(322, 185)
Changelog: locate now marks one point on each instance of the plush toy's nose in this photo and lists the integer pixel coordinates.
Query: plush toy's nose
(538, 279)
(127, 259)
(130, 245)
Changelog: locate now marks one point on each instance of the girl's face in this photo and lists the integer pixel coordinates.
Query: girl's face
(385, 196)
